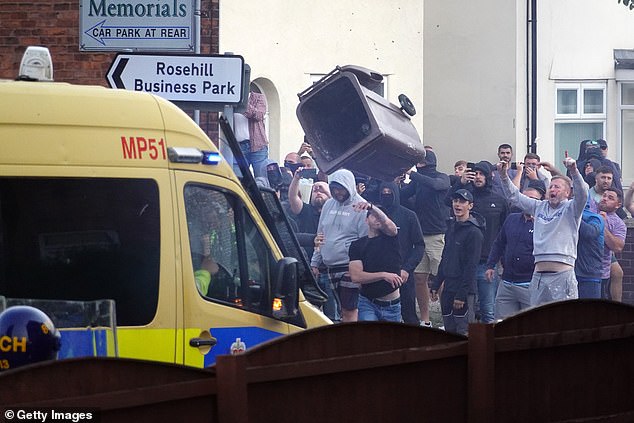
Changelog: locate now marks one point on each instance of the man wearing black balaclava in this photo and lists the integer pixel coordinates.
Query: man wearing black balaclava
(428, 187)
(411, 243)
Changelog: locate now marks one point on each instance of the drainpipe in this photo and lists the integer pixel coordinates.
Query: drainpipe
(528, 76)
(533, 22)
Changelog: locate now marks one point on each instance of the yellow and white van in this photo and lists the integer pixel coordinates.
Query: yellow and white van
(117, 195)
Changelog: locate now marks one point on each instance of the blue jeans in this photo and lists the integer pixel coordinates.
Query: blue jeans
(331, 307)
(371, 312)
(486, 294)
(256, 158)
(589, 289)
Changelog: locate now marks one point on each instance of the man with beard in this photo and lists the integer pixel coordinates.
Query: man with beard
(341, 222)
(505, 154)
(428, 187)
(306, 216)
(457, 270)
(614, 234)
(411, 246)
(557, 220)
(494, 209)
(604, 180)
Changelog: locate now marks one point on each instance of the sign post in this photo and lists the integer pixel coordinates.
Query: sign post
(200, 80)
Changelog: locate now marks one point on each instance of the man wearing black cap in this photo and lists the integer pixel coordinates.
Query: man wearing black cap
(457, 269)
(494, 208)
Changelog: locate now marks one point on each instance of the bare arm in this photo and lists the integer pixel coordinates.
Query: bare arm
(294, 199)
(612, 241)
(517, 179)
(387, 226)
(358, 275)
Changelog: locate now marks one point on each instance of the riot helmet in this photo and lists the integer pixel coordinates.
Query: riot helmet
(27, 335)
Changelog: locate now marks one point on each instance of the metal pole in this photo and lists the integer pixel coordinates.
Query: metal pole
(533, 76)
(197, 21)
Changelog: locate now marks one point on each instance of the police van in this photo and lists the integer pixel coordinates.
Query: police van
(119, 213)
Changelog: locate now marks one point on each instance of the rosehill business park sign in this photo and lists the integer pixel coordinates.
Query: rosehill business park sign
(199, 79)
(137, 25)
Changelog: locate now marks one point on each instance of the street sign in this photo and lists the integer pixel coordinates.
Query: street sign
(194, 79)
(137, 25)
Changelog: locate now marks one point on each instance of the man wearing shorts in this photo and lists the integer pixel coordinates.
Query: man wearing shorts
(429, 188)
(340, 223)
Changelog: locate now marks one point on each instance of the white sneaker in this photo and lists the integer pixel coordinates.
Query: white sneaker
(426, 324)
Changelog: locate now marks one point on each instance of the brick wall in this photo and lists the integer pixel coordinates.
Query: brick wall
(626, 259)
(55, 24)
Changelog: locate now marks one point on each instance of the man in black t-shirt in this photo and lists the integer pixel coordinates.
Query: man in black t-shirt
(375, 263)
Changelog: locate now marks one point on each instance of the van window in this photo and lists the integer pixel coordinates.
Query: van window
(82, 239)
(231, 261)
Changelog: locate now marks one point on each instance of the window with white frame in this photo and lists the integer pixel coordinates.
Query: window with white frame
(580, 114)
(627, 129)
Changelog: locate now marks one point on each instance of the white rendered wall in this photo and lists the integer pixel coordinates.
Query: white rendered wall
(285, 42)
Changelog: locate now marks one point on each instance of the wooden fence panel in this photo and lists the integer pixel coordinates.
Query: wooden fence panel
(355, 372)
(120, 389)
(564, 361)
(567, 361)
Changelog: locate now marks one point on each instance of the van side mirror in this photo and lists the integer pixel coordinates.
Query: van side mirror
(284, 289)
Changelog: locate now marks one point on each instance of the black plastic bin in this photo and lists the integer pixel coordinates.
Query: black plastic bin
(350, 126)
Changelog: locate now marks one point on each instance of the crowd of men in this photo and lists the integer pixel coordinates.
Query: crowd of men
(488, 241)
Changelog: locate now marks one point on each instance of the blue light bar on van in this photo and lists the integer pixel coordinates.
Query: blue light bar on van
(211, 157)
(184, 155)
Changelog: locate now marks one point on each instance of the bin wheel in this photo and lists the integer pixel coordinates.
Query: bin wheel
(406, 105)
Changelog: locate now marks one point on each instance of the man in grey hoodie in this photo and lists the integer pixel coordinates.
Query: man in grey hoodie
(342, 221)
(556, 231)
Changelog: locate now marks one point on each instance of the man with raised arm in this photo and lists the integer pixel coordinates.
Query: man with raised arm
(556, 231)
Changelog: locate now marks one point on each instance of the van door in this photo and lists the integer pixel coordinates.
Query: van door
(227, 269)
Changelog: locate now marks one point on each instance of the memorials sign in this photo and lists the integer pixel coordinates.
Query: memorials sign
(137, 25)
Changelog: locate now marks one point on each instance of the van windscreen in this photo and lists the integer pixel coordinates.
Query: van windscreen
(82, 239)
